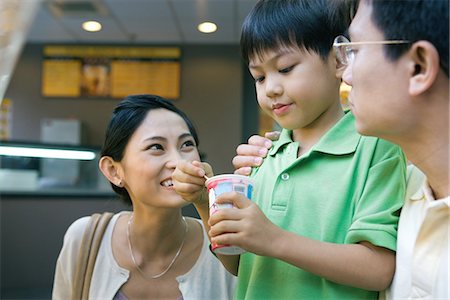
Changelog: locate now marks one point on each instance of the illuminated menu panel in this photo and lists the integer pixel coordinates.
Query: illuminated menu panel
(88, 71)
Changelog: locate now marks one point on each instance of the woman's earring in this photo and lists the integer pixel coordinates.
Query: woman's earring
(120, 183)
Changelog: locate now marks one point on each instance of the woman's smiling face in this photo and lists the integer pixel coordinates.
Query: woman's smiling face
(151, 156)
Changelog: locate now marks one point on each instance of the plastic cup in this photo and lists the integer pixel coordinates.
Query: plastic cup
(218, 185)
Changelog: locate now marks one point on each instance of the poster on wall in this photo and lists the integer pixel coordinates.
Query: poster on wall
(5, 119)
(110, 72)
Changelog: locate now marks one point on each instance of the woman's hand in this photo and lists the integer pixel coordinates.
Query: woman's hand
(189, 181)
(252, 154)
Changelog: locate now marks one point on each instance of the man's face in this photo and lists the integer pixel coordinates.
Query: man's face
(379, 86)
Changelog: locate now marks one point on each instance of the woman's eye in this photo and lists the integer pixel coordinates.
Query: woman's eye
(188, 144)
(286, 70)
(156, 147)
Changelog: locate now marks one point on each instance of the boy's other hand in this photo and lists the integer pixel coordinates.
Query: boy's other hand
(189, 181)
(252, 154)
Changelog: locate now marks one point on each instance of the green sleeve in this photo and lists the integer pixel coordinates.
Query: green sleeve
(378, 209)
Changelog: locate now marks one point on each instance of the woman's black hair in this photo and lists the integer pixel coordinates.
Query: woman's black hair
(127, 117)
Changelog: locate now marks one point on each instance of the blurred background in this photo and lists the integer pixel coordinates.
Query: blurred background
(59, 85)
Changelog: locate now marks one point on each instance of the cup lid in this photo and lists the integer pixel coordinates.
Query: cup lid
(229, 176)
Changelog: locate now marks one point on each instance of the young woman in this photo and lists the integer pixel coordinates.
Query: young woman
(152, 252)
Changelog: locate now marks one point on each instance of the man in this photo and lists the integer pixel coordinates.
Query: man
(401, 93)
(397, 65)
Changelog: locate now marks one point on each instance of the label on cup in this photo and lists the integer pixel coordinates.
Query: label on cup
(218, 185)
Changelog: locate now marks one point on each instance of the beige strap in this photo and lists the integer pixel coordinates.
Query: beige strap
(90, 244)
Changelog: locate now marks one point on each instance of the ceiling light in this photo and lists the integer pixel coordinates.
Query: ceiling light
(92, 26)
(207, 27)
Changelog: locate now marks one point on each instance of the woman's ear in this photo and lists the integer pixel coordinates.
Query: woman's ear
(110, 170)
(424, 67)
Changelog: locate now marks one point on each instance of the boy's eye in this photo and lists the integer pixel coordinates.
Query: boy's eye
(259, 79)
(286, 70)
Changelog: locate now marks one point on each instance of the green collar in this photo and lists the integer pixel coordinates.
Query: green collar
(341, 139)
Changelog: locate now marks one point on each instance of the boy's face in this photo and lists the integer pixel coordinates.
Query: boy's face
(379, 86)
(296, 88)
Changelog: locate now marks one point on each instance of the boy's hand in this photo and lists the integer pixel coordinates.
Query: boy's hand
(189, 181)
(244, 226)
(252, 154)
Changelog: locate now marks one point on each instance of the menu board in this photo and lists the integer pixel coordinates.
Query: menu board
(104, 71)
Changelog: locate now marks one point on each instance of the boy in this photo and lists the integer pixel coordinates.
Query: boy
(415, 85)
(320, 224)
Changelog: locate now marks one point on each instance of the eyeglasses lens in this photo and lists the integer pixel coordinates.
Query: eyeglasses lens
(344, 53)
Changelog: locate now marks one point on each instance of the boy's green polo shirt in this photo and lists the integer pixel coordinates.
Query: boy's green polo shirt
(346, 189)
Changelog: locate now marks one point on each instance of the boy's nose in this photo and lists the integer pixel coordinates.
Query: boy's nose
(273, 88)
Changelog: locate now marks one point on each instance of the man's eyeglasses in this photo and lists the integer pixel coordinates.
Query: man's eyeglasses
(345, 52)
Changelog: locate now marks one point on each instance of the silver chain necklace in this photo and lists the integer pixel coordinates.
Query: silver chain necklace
(171, 263)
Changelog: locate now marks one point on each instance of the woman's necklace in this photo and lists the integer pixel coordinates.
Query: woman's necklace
(171, 263)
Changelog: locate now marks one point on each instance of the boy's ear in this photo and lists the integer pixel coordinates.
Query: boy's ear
(424, 67)
(109, 168)
(340, 68)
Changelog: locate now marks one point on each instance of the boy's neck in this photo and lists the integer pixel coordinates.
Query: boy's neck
(308, 136)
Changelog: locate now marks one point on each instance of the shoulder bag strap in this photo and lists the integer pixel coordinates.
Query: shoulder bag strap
(90, 244)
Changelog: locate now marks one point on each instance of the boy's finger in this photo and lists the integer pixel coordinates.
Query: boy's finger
(245, 171)
(223, 214)
(251, 150)
(238, 200)
(246, 161)
(257, 140)
(273, 135)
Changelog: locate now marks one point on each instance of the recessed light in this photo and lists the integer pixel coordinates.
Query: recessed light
(207, 27)
(92, 26)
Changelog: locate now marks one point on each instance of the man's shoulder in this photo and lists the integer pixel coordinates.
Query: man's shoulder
(415, 180)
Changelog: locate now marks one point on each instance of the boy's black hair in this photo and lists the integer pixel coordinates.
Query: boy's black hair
(307, 24)
(413, 21)
(127, 117)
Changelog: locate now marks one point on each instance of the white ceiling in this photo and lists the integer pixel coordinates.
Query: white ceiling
(140, 21)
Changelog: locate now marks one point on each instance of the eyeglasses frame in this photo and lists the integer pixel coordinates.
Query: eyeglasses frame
(336, 45)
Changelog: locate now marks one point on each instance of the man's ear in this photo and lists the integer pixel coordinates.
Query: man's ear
(424, 67)
(340, 68)
(109, 168)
